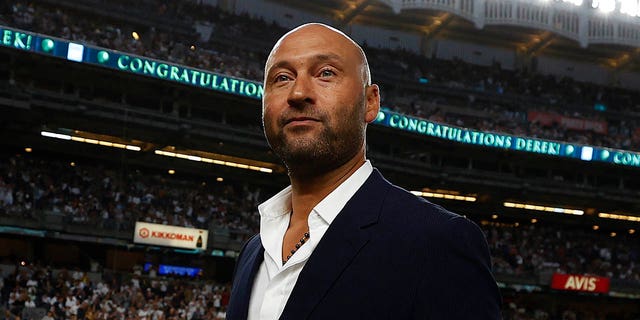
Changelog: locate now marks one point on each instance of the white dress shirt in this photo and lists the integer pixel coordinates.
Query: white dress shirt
(274, 281)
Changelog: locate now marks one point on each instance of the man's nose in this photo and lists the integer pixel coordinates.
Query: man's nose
(302, 92)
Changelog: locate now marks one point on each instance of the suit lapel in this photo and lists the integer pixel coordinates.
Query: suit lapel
(343, 240)
(252, 257)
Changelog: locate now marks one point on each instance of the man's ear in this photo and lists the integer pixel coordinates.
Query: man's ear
(373, 102)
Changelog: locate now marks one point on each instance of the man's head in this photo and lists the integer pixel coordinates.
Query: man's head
(318, 98)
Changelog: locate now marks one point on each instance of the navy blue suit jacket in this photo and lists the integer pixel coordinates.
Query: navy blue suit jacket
(387, 255)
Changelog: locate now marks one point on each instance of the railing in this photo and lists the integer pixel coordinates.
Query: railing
(580, 23)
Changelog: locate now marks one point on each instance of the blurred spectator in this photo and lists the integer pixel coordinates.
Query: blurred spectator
(144, 298)
(529, 250)
(485, 98)
(99, 196)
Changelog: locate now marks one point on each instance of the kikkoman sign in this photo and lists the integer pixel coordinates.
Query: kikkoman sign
(170, 236)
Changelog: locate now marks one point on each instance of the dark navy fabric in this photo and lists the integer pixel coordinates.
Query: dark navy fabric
(387, 255)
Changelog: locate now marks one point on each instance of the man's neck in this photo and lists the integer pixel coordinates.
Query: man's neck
(308, 191)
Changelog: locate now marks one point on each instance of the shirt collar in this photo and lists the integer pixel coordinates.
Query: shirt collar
(333, 203)
(276, 206)
(329, 207)
(274, 213)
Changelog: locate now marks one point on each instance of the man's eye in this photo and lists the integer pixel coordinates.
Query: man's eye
(327, 73)
(281, 77)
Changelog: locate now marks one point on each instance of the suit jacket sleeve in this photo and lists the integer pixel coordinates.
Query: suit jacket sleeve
(466, 288)
(245, 270)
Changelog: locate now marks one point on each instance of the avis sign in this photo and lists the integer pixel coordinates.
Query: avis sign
(170, 236)
(574, 282)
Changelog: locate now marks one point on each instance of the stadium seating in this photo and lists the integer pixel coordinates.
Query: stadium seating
(95, 197)
(99, 196)
(41, 292)
(456, 92)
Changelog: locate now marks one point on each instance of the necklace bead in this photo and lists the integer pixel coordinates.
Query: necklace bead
(304, 239)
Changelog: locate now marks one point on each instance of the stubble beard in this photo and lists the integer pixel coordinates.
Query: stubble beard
(316, 154)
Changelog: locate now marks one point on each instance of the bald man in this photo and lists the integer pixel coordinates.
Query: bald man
(341, 242)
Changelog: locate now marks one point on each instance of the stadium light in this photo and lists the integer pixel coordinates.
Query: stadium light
(533, 207)
(214, 161)
(618, 216)
(55, 135)
(89, 141)
(448, 196)
(630, 7)
(576, 3)
(605, 6)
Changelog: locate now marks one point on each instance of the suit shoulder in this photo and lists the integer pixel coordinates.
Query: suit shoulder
(421, 215)
(403, 200)
(250, 246)
(254, 242)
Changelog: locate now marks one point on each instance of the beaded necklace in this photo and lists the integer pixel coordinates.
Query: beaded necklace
(304, 239)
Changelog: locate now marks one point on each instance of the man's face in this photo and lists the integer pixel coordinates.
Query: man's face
(315, 104)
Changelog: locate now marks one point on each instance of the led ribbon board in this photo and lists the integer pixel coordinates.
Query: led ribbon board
(112, 59)
(505, 141)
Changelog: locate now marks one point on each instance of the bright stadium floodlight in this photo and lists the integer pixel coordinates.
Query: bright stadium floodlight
(55, 135)
(605, 6)
(630, 7)
(448, 196)
(576, 3)
(211, 160)
(619, 216)
(533, 207)
(89, 141)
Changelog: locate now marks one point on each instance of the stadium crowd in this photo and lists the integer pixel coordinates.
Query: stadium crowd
(488, 98)
(109, 198)
(485, 98)
(71, 294)
(33, 291)
(529, 250)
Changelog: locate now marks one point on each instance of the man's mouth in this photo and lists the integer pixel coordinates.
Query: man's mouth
(300, 120)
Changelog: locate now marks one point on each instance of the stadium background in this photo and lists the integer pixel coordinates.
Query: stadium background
(96, 135)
